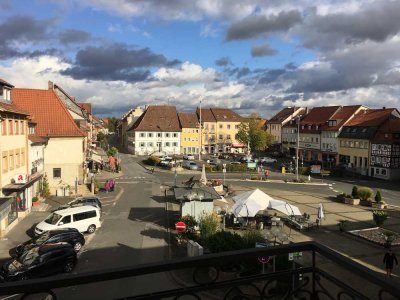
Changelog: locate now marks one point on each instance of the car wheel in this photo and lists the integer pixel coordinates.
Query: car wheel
(68, 267)
(77, 246)
(91, 228)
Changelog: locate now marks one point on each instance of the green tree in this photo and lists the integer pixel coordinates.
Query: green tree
(112, 124)
(251, 131)
(45, 192)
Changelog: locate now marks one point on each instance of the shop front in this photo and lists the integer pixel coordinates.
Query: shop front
(8, 213)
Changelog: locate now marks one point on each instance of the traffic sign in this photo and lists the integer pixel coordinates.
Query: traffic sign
(180, 226)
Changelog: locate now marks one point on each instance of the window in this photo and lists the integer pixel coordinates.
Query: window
(10, 127)
(316, 140)
(150, 144)
(356, 144)
(84, 215)
(167, 135)
(175, 135)
(383, 172)
(221, 126)
(212, 127)
(237, 127)
(220, 136)
(11, 159)
(150, 134)
(22, 157)
(366, 145)
(159, 134)
(141, 144)
(22, 123)
(228, 126)
(142, 134)
(56, 172)
(16, 127)
(4, 127)
(377, 171)
(175, 144)
(5, 162)
(228, 136)
(66, 220)
(167, 144)
(17, 160)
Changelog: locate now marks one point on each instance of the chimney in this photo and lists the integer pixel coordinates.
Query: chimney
(50, 85)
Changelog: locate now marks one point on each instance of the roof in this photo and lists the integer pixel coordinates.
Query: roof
(225, 115)
(386, 131)
(188, 120)
(35, 139)
(283, 114)
(342, 116)
(206, 115)
(208, 193)
(371, 117)
(319, 115)
(2, 81)
(11, 107)
(158, 118)
(52, 117)
(86, 106)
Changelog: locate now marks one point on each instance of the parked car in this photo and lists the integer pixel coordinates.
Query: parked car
(214, 162)
(62, 235)
(83, 218)
(166, 162)
(224, 156)
(267, 160)
(188, 156)
(40, 261)
(192, 165)
(87, 200)
(166, 157)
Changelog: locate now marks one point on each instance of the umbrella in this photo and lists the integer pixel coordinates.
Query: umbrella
(321, 212)
(284, 207)
(203, 178)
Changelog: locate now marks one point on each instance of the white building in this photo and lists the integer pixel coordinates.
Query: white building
(157, 130)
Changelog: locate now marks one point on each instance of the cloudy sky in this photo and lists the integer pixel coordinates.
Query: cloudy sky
(248, 55)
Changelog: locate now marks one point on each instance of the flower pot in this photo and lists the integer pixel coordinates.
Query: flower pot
(378, 205)
(365, 202)
(352, 201)
(36, 204)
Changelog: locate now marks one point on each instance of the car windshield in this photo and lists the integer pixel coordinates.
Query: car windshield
(42, 238)
(53, 219)
(76, 201)
(29, 256)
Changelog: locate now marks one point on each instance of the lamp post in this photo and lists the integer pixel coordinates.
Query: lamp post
(297, 148)
(200, 135)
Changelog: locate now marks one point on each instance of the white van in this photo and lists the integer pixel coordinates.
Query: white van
(83, 218)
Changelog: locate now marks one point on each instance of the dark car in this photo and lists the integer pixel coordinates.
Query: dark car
(40, 261)
(89, 200)
(68, 235)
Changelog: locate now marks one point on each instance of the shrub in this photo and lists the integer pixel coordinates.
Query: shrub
(35, 199)
(354, 192)
(236, 168)
(379, 217)
(208, 224)
(191, 223)
(378, 197)
(153, 161)
(364, 193)
(224, 241)
(251, 237)
(112, 152)
(304, 171)
(45, 187)
(208, 168)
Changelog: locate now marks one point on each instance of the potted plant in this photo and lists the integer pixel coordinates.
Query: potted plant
(35, 201)
(379, 217)
(379, 203)
(343, 225)
(365, 193)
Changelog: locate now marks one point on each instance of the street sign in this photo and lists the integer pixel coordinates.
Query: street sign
(263, 259)
(295, 255)
(180, 226)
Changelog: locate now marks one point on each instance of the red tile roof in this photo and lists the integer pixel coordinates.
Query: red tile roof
(371, 117)
(342, 116)
(52, 118)
(162, 118)
(2, 81)
(283, 115)
(319, 115)
(206, 115)
(35, 139)
(11, 107)
(86, 106)
(188, 120)
(225, 115)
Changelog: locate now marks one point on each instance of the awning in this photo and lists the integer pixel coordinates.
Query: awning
(238, 146)
(14, 187)
(96, 158)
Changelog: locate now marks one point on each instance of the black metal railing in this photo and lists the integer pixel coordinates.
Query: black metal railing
(318, 273)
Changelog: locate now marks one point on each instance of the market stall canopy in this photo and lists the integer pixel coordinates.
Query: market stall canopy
(284, 207)
(195, 191)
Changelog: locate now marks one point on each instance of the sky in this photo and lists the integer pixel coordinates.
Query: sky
(247, 55)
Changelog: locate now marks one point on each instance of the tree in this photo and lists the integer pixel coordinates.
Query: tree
(251, 131)
(112, 124)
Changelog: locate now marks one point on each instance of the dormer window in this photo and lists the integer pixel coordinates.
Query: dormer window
(5, 94)
(309, 127)
(316, 127)
(332, 123)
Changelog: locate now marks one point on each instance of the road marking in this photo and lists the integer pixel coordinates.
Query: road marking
(336, 191)
(9, 297)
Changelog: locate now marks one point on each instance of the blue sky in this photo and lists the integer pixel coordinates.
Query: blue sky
(248, 55)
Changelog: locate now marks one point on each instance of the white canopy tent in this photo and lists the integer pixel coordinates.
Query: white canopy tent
(248, 204)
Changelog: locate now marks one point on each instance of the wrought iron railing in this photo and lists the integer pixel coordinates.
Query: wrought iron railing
(318, 273)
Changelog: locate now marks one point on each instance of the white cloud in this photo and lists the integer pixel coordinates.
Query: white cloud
(208, 30)
(186, 73)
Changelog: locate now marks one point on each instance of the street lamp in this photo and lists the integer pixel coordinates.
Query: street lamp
(200, 135)
(297, 148)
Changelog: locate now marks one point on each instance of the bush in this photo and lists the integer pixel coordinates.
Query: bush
(153, 161)
(208, 224)
(35, 199)
(364, 193)
(224, 241)
(378, 197)
(191, 223)
(208, 168)
(379, 217)
(45, 192)
(112, 152)
(236, 168)
(251, 237)
(354, 192)
(304, 171)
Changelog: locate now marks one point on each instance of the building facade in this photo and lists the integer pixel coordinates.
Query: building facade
(190, 136)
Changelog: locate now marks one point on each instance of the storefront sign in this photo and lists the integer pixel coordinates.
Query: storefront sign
(315, 169)
(20, 178)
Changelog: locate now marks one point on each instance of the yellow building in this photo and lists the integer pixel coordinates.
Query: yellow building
(190, 137)
(227, 126)
(209, 124)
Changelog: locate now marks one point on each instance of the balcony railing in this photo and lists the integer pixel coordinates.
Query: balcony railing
(319, 273)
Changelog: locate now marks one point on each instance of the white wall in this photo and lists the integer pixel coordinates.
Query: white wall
(145, 143)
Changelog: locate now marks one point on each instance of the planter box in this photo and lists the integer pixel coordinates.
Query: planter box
(352, 201)
(36, 204)
(378, 205)
(365, 203)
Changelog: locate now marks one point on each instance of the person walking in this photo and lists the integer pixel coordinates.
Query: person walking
(389, 260)
(107, 186)
(112, 185)
(266, 174)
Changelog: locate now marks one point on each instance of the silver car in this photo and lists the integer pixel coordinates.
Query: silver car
(192, 165)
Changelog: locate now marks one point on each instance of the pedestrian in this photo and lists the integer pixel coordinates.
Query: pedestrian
(112, 185)
(266, 174)
(389, 260)
(107, 186)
